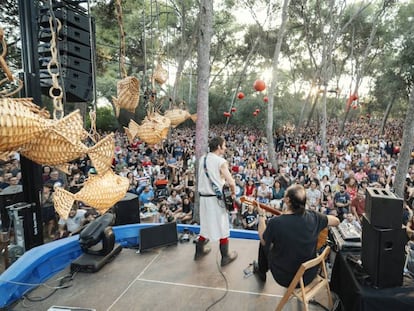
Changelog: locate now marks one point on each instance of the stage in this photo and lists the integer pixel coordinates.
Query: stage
(166, 278)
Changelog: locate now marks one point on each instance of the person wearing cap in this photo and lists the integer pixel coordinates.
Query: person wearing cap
(263, 193)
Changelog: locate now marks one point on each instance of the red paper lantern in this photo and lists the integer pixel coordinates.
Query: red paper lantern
(265, 99)
(255, 113)
(233, 109)
(227, 114)
(240, 95)
(354, 97)
(259, 85)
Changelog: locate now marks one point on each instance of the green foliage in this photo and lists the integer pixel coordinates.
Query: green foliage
(105, 120)
(166, 29)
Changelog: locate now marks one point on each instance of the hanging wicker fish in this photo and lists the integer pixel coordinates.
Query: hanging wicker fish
(128, 95)
(58, 147)
(27, 102)
(19, 124)
(99, 191)
(160, 74)
(178, 116)
(153, 129)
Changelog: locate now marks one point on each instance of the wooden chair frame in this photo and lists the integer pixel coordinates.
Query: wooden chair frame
(306, 293)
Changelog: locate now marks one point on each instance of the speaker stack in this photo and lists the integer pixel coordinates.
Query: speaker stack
(74, 46)
(383, 238)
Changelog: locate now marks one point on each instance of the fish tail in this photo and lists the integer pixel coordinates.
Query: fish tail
(194, 117)
(131, 130)
(102, 153)
(63, 201)
(129, 135)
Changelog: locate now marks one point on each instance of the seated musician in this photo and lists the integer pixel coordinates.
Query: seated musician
(290, 239)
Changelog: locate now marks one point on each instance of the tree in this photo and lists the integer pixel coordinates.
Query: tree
(361, 68)
(406, 147)
(273, 85)
(204, 43)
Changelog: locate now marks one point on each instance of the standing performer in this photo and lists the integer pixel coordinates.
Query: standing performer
(214, 219)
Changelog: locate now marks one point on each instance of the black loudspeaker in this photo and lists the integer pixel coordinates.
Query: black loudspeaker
(383, 209)
(74, 48)
(383, 254)
(157, 236)
(127, 210)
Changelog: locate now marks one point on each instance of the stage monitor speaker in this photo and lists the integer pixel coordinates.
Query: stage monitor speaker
(383, 209)
(157, 236)
(127, 210)
(383, 254)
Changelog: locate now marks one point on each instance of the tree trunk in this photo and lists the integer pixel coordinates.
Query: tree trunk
(405, 151)
(273, 85)
(203, 64)
(315, 102)
(386, 114)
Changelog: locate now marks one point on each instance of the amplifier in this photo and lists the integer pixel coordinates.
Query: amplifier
(383, 209)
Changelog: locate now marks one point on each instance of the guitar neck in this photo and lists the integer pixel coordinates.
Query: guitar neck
(323, 235)
(267, 208)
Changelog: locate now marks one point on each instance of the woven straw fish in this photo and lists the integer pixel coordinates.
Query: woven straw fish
(27, 102)
(99, 191)
(153, 129)
(57, 147)
(128, 95)
(18, 123)
(160, 74)
(178, 116)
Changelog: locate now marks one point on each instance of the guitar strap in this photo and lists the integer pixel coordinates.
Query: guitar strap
(216, 189)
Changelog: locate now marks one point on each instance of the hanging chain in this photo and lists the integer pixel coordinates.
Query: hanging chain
(7, 92)
(93, 133)
(53, 67)
(122, 40)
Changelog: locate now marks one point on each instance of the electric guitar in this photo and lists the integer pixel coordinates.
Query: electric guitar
(322, 237)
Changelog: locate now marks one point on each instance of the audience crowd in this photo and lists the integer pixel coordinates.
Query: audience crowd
(163, 175)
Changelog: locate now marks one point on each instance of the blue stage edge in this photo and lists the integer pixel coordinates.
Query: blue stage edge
(39, 264)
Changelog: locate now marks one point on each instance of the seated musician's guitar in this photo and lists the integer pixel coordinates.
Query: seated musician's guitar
(323, 235)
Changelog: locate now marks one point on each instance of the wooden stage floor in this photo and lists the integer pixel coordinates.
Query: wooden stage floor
(166, 278)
